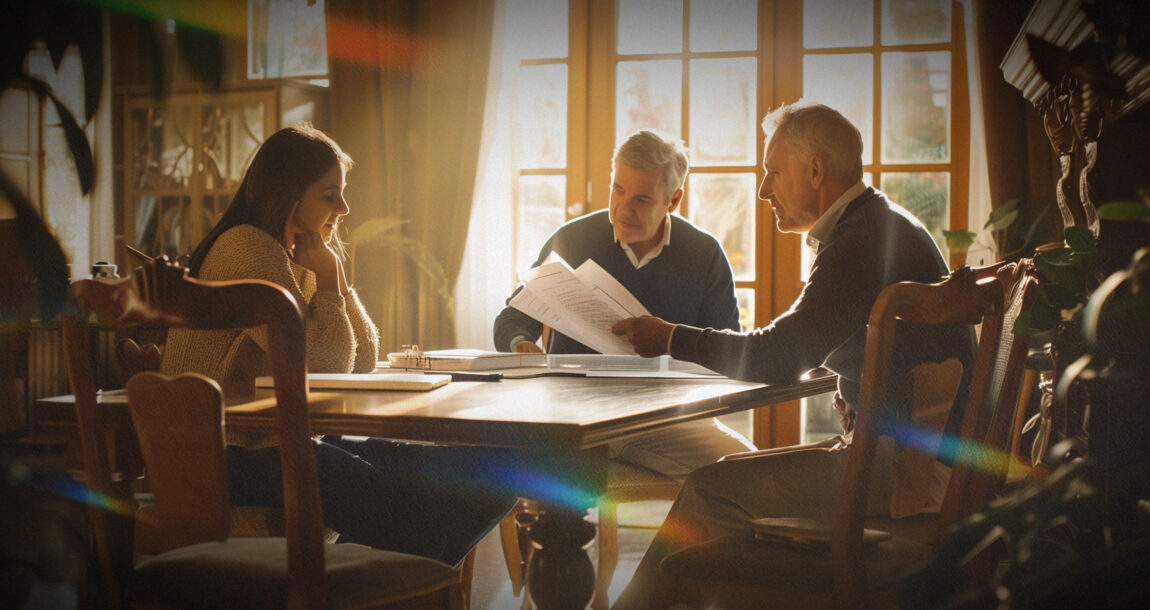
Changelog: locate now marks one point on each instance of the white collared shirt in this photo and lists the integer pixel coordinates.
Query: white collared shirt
(821, 230)
(653, 252)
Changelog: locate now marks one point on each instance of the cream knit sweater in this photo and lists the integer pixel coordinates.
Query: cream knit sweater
(341, 338)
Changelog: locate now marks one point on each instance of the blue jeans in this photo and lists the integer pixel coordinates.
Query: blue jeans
(437, 501)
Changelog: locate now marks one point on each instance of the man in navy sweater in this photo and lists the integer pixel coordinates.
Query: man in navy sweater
(676, 270)
(862, 243)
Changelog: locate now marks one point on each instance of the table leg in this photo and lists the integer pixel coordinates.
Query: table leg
(560, 575)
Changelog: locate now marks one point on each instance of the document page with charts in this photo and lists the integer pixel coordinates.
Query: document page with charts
(582, 303)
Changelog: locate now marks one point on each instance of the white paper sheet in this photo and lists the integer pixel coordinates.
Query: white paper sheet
(582, 304)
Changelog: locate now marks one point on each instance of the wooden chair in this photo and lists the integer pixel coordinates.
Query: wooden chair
(297, 570)
(844, 571)
(132, 358)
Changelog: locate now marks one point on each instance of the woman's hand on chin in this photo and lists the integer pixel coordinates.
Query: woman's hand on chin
(313, 252)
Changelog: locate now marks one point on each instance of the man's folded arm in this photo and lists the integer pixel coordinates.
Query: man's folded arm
(513, 326)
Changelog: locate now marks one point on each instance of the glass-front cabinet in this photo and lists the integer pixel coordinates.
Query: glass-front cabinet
(184, 156)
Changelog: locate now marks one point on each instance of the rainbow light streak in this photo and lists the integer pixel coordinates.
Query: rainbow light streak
(67, 487)
(979, 455)
(347, 39)
(550, 490)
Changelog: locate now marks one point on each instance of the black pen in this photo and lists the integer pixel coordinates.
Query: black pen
(463, 376)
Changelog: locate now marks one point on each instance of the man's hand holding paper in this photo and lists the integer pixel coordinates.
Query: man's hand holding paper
(582, 303)
(649, 335)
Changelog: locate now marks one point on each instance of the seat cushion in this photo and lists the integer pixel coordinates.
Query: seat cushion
(252, 573)
(741, 559)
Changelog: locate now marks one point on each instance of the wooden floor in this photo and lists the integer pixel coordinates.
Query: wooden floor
(491, 589)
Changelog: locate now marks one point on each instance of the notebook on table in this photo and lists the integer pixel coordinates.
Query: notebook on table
(368, 381)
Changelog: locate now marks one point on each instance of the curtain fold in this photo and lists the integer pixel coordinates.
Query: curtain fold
(1020, 162)
(408, 86)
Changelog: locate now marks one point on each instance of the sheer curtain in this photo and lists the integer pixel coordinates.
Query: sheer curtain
(486, 276)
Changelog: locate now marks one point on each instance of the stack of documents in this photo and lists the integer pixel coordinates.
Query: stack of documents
(463, 360)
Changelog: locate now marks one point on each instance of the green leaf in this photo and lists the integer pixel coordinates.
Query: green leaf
(959, 239)
(1079, 238)
(203, 51)
(77, 140)
(1125, 210)
(78, 144)
(1002, 216)
(42, 252)
(1022, 324)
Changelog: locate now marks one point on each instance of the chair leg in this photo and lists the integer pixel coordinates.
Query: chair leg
(459, 595)
(509, 540)
(608, 552)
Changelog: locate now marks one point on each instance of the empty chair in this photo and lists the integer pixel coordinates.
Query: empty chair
(213, 570)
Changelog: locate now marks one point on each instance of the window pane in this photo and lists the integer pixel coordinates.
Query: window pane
(540, 212)
(231, 134)
(845, 83)
(746, 298)
(724, 205)
(649, 94)
(649, 26)
(542, 116)
(15, 135)
(820, 420)
(724, 25)
(838, 23)
(161, 144)
(723, 124)
(916, 107)
(536, 28)
(915, 21)
(924, 194)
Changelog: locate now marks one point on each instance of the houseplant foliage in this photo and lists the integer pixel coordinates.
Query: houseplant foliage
(39, 546)
(58, 24)
(1069, 274)
(383, 231)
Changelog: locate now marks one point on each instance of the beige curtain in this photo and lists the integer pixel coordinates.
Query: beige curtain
(408, 83)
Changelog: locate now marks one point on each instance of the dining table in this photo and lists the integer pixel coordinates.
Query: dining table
(559, 427)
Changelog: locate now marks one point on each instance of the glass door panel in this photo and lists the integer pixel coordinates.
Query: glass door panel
(543, 106)
(915, 21)
(649, 94)
(845, 83)
(722, 111)
(723, 25)
(724, 206)
(916, 107)
(538, 29)
(646, 27)
(837, 23)
(541, 210)
(924, 194)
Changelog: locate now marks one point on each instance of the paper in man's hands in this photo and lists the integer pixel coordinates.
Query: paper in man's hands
(583, 303)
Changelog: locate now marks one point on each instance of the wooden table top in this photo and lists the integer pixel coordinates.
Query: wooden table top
(554, 412)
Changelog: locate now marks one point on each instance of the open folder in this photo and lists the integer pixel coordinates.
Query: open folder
(462, 360)
(368, 381)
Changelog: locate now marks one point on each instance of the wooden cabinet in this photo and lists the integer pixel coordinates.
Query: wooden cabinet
(184, 156)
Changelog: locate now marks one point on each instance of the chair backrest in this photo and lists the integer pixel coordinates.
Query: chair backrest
(980, 470)
(134, 358)
(962, 299)
(161, 293)
(180, 423)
